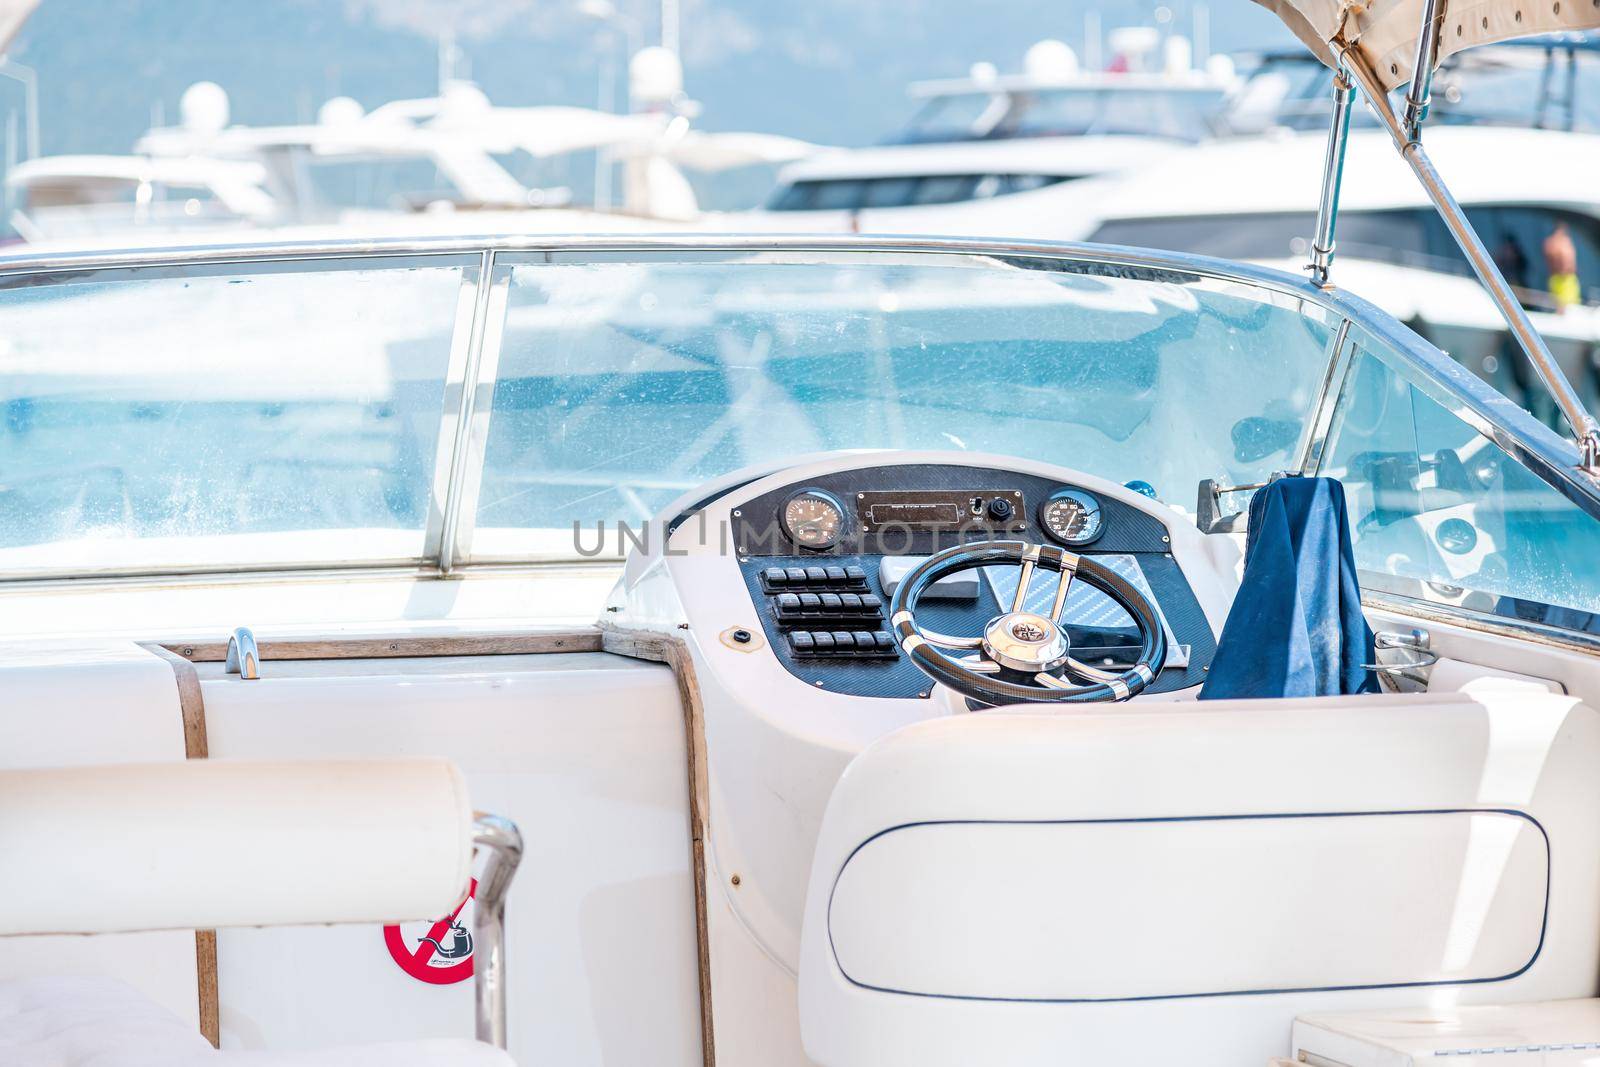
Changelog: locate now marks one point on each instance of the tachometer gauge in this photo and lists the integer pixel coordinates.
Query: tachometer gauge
(1072, 517)
(813, 519)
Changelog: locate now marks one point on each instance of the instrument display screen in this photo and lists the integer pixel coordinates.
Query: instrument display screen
(993, 510)
(908, 514)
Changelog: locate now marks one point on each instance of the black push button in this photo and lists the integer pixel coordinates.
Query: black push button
(843, 641)
(777, 576)
(802, 642)
(855, 574)
(883, 640)
(810, 602)
(864, 642)
(831, 602)
(816, 574)
(796, 575)
(849, 602)
(823, 640)
(871, 602)
(836, 574)
(788, 604)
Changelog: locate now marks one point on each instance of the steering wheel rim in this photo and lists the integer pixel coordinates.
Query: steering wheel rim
(1023, 641)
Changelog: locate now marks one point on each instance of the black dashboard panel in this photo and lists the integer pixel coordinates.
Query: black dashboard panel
(758, 525)
(837, 592)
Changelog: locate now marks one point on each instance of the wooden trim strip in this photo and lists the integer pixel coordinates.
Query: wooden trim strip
(191, 701)
(674, 652)
(411, 647)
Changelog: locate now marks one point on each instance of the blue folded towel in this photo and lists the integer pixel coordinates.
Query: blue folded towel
(1295, 628)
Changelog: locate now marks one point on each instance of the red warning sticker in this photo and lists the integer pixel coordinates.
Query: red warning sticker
(438, 952)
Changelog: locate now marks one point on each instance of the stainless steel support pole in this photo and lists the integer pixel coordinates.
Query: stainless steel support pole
(1322, 244)
(1419, 95)
(503, 841)
(1586, 432)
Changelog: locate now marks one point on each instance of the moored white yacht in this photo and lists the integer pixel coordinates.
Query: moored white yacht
(977, 147)
(436, 165)
(336, 732)
(1518, 138)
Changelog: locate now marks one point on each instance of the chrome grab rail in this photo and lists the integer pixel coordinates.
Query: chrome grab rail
(244, 659)
(1417, 642)
(503, 841)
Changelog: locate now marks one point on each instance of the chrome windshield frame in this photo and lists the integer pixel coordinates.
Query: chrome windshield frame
(475, 352)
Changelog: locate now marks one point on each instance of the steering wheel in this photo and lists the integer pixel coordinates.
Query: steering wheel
(1020, 652)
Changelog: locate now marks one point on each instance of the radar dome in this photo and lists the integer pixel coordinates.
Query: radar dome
(463, 98)
(655, 75)
(340, 111)
(203, 107)
(1050, 58)
(1221, 68)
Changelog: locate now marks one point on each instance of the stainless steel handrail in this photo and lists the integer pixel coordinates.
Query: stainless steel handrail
(501, 839)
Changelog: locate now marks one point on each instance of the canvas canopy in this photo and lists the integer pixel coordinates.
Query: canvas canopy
(13, 13)
(1384, 32)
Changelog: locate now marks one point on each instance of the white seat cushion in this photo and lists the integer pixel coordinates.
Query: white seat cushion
(101, 1022)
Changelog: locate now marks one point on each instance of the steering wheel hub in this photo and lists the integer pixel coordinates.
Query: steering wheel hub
(1024, 641)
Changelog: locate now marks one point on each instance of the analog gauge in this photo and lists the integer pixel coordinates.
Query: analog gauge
(813, 519)
(1072, 517)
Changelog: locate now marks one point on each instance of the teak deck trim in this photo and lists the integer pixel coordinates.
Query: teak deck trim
(192, 703)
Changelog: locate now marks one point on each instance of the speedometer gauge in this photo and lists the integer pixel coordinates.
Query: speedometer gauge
(813, 519)
(1072, 517)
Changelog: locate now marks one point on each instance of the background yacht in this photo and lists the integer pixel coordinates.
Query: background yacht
(979, 147)
(449, 164)
(1518, 137)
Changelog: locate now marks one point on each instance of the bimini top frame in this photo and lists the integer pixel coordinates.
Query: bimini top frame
(1342, 31)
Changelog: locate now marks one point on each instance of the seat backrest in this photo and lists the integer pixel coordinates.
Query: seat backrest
(1176, 882)
(217, 843)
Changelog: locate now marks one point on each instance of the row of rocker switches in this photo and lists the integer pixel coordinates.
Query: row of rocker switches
(778, 579)
(796, 608)
(856, 644)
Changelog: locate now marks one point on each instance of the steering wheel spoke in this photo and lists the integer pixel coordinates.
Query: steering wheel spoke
(1090, 673)
(1024, 579)
(933, 637)
(1063, 586)
(979, 663)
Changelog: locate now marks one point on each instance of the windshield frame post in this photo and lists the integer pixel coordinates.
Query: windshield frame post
(1419, 97)
(1585, 430)
(1322, 245)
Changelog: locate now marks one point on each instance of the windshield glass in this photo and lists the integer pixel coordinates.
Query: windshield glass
(623, 385)
(1177, 113)
(168, 419)
(1183, 114)
(955, 117)
(1439, 512)
(296, 416)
